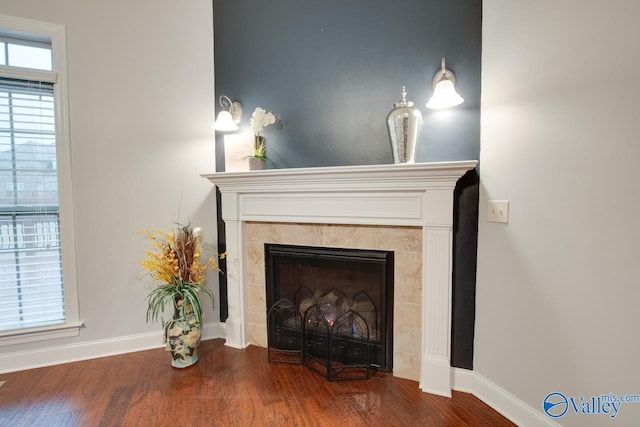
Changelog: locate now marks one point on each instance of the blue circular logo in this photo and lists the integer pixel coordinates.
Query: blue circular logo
(555, 404)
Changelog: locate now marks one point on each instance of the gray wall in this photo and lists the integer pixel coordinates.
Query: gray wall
(558, 287)
(333, 69)
(139, 136)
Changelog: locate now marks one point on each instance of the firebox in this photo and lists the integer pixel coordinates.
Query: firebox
(330, 307)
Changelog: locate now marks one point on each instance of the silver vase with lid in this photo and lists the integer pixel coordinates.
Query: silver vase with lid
(404, 123)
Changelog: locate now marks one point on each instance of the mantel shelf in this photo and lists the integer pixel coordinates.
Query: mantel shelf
(347, 178)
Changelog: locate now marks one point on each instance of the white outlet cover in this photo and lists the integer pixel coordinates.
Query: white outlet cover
(498, 211)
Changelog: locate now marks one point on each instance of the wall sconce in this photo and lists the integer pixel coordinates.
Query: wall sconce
(230, 115)
(444, 90)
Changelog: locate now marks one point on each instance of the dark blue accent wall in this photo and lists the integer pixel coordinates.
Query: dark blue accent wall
(333, 69)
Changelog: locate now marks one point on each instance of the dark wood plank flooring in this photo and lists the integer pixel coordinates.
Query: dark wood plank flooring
(227, 387)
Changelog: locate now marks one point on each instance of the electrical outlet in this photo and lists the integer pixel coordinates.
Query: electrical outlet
(498, 211)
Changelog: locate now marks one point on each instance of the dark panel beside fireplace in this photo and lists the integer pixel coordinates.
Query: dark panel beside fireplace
(301, 273)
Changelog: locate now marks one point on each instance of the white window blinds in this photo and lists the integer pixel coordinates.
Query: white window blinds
(31, 289)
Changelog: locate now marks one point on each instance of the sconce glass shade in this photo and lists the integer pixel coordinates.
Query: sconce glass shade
(444, 96)
(230, 115)
(444, 90)
(225, 122)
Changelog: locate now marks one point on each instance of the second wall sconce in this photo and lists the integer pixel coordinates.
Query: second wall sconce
(229, 116)
(444, 90)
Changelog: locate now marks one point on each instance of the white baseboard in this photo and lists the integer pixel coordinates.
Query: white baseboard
(499, 399)
(56, 355)
(463, 380)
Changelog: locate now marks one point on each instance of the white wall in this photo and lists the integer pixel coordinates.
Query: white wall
(141, 109)
(559, 286)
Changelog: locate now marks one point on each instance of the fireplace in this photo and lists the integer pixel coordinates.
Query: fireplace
(331, 304)
(416, 196)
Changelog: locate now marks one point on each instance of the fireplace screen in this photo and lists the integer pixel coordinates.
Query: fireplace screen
(330, 309)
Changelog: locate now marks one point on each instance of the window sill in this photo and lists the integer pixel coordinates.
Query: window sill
(21, 336)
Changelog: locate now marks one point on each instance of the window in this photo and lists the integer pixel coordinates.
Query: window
(25, 53)
(38, 292)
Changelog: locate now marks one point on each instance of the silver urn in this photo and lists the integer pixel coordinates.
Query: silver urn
(404, 123)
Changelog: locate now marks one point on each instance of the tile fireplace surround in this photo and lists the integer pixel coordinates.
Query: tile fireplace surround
(405, 208)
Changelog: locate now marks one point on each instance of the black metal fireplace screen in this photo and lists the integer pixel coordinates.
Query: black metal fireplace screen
(330, 309)
(329, 332)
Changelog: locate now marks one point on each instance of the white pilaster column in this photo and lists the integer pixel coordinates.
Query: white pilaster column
(236, 324)
(435, 369)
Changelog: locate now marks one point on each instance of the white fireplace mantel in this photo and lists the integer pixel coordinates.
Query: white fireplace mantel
(418, 194)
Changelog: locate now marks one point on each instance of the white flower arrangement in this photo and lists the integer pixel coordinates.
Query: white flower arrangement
(261, 119)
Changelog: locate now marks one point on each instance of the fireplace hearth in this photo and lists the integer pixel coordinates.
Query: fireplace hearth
(330, 309)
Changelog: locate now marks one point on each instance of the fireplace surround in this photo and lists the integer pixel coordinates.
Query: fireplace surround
(415, 195)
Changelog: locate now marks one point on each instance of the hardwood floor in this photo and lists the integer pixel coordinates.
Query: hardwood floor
(227, 387)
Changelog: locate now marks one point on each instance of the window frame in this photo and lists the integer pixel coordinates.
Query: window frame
(37, 31)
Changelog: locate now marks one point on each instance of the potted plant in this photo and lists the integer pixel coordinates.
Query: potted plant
(174, 262)
(259, 120)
